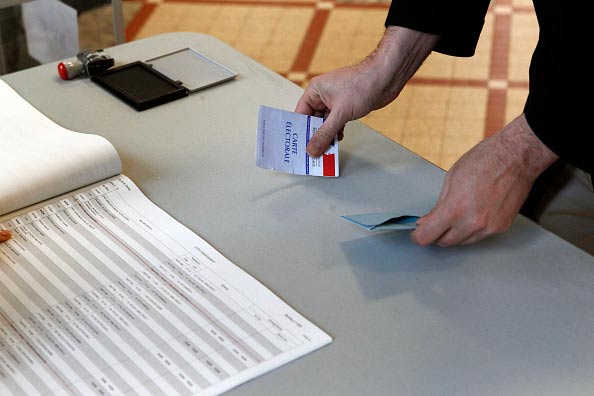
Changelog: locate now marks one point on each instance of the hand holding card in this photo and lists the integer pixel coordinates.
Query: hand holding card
(282, 138)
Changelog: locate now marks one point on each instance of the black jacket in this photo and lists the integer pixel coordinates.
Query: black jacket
(560, 96)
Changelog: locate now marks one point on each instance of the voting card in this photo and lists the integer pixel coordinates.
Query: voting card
(282, 138)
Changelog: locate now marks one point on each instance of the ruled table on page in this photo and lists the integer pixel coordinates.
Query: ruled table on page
(103, 293)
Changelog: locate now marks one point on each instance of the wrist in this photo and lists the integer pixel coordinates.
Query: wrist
(398, 56)
(534, 155)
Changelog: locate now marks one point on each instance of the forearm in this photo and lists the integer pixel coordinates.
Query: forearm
(396, 59)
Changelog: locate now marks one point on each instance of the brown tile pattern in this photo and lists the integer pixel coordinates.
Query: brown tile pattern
(451, 103)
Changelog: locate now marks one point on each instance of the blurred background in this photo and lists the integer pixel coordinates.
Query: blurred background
(449, 106)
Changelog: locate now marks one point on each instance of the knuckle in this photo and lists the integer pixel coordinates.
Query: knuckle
(478, 224)
(323, 133)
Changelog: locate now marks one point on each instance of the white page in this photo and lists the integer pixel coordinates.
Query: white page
(102, 292)
(41, 159)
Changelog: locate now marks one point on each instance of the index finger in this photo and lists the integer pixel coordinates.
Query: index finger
(304, 105)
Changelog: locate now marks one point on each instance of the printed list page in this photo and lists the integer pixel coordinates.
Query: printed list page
(101, 292)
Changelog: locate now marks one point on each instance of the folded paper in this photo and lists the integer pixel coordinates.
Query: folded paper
(383, 221)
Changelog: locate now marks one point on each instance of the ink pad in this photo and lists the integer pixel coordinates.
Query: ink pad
(160, 80)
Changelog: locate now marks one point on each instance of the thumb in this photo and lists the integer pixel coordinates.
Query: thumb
(320, 142)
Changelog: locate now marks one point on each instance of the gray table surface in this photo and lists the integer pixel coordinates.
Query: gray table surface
(513, 315)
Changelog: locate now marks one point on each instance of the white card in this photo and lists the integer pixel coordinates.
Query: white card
(282, 138)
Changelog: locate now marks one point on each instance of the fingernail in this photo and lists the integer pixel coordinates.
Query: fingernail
(5, 234)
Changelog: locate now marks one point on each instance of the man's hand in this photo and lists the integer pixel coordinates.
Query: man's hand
(352, 92)
(485, 189)
(5, 235)
(339, 96)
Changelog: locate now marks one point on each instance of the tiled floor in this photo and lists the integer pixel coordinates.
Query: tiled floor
(450, 104)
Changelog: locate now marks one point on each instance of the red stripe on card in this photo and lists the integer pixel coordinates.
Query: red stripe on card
(329, 165)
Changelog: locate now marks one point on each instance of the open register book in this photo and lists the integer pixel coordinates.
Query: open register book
(102, 292)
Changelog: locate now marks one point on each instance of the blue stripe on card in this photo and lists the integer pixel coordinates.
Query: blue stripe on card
(306, 143)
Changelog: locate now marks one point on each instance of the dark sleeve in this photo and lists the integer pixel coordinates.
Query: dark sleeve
(559, 104)
(459, 23)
